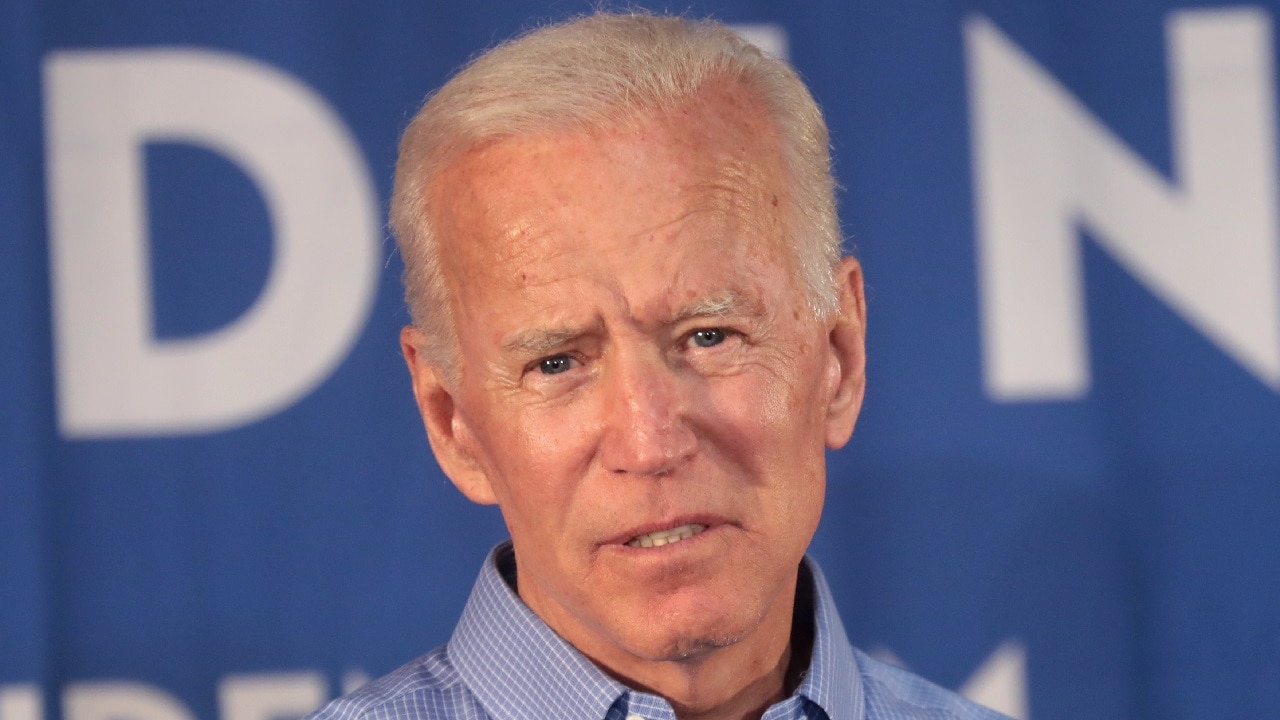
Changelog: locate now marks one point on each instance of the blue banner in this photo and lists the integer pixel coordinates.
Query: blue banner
(217, 501)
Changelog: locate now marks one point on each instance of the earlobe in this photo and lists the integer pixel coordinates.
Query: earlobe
(847, 337)
(447, 431)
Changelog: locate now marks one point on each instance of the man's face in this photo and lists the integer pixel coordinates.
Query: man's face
(637, 357)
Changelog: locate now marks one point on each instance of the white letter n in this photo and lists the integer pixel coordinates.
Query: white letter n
(1206, 246)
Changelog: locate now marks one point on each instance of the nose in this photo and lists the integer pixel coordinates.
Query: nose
(646, 413)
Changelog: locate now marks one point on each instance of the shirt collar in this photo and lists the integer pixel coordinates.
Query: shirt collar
(517, 666)
(833, 681)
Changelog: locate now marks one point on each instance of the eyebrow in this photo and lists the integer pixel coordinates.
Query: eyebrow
(540, 341)
(536, 342)
(721, 304)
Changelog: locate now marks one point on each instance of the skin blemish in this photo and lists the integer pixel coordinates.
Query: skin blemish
(774, 201)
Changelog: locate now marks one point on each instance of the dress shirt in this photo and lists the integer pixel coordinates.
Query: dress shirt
(504, 663)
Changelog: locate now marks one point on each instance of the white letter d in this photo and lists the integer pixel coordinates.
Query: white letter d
(114, 378)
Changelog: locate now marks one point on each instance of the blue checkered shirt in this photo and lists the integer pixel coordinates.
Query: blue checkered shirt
(504, 663)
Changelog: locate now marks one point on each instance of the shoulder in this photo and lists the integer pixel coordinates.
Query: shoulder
(428, 688)
(893, 693)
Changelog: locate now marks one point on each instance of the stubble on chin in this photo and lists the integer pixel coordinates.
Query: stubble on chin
(681, 643)
(689, 649)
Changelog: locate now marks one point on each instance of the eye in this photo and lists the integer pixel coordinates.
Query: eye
(707, 337)
(555, 364)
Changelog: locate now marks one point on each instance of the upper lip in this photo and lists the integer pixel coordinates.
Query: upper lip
(644, 529)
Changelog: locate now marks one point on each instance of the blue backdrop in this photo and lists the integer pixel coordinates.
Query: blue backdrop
(1063, 496)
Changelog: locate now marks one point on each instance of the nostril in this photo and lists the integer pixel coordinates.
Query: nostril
(651, 453)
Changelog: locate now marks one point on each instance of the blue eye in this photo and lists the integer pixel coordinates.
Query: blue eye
(555, 365)
(707, 337)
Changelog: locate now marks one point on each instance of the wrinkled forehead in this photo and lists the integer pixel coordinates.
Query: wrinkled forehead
(717, 158)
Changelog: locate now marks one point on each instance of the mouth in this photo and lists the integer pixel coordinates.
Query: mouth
(666, 537)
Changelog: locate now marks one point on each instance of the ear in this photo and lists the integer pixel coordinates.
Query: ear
(847, 335)
(451, 439)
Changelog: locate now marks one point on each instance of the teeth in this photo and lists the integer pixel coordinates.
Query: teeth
(666, 537)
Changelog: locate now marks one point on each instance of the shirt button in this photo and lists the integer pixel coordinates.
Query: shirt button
(634, 716)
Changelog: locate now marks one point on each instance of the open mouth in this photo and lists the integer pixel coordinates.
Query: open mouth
(666, 537)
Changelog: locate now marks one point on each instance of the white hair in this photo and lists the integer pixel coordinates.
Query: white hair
(597, 72)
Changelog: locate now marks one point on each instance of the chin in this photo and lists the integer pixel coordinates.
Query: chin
(682, 636)
(687, 648)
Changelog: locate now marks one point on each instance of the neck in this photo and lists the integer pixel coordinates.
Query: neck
(739, 681)
(719, 691)
(758, 691)
(736, 681)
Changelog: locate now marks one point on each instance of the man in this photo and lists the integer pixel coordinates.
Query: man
(633, 332)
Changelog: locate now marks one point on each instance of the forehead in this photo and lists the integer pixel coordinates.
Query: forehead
(705, 176)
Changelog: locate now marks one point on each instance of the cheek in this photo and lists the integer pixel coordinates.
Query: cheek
(559, 438)
(767, 419)
(777, 458)
(771, 421)
(782, 391)
(538, 456)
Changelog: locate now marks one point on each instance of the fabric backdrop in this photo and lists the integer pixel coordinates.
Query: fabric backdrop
(1063, 495)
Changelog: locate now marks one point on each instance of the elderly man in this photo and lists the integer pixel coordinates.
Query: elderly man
(634, 333)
